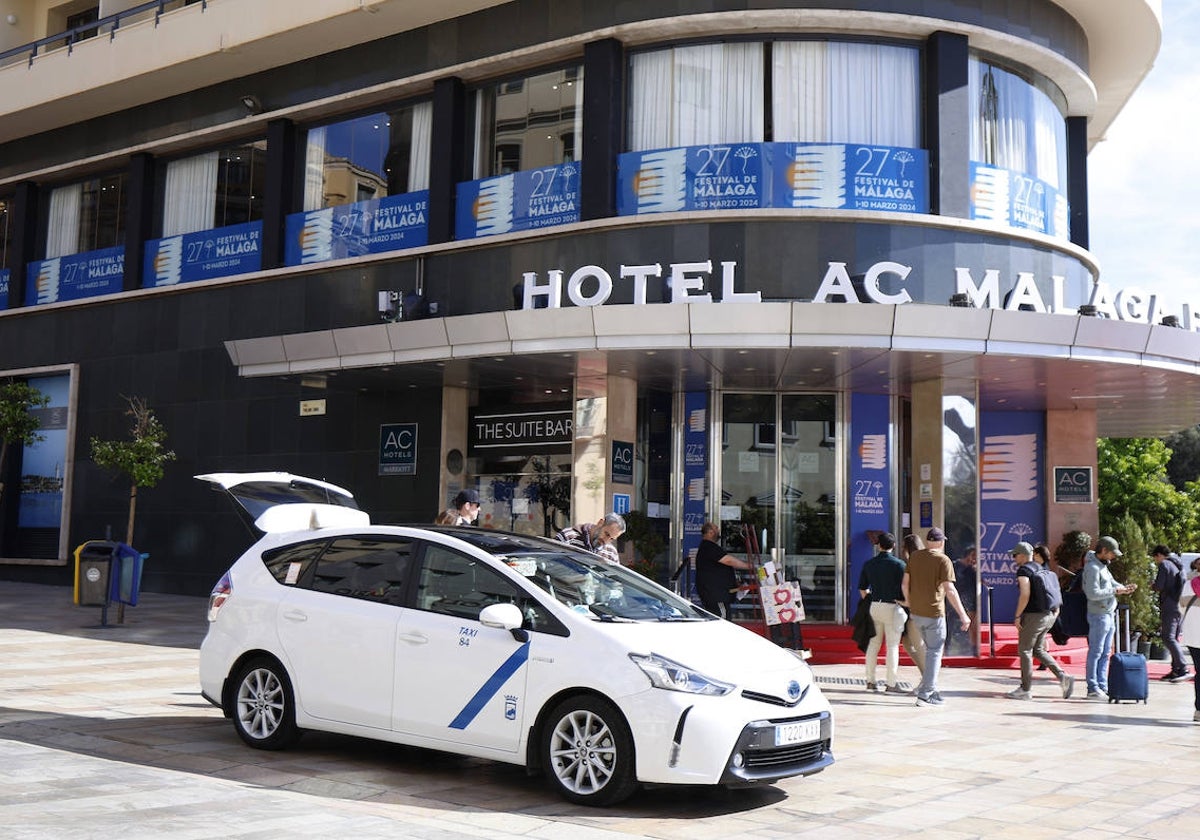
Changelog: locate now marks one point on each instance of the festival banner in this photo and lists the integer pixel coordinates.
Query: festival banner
(202, 255)
(533, 198)
(1011, 503)
(787, 175)
(870, 485)
(75, 276)
(695, 481)
(4, 275)
(353, 230)
(1019, 201)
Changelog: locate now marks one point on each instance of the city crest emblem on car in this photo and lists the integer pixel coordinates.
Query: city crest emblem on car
(793, 690)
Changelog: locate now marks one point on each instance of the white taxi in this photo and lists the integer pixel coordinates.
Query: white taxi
(494, 645)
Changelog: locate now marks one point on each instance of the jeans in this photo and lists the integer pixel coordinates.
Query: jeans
(1101, 629)
(889, 622)
(933, 632)
(1031, 642)
(1195, 652)
(1169, 630)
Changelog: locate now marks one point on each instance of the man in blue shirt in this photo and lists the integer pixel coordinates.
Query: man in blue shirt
(881, 577)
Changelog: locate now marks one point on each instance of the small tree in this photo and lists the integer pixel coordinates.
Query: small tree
(17, 424)
(140, 459)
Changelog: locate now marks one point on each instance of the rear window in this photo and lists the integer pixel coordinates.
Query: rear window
(290, 565)
(258, 496)
(366, 568)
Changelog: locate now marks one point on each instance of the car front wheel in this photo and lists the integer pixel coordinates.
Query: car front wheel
(588, 751)
(264, 712)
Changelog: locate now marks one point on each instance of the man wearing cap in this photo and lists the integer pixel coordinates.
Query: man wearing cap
(1036, 611)
(1168, 583)
(928, 583)
(465, 510)
(1101, 590)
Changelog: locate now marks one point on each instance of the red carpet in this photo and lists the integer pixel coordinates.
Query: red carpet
(831, 645)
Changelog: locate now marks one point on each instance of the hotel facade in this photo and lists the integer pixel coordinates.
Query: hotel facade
(807, 269)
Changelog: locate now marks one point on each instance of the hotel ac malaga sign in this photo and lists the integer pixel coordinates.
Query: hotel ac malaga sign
(883, 282)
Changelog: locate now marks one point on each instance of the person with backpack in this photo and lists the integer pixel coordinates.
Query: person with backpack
(1038, 601)
(1168, 583)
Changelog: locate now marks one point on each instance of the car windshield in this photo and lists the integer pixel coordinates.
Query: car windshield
(602, 590)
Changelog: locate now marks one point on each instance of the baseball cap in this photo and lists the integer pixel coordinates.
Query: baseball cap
(1110, 544)
(1022, 548)
(935, 535)
(465, 496)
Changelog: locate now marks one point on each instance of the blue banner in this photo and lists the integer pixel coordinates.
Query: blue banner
(870, 485)
(353, 230)
(788, 175)
(75, 276)
(1017, 200)
(4, 275)
(695, 480)
(202, 255)
(533, 198)
(1012, 505)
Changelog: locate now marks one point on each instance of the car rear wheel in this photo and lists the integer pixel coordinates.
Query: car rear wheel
(264, 711)
(587, 750)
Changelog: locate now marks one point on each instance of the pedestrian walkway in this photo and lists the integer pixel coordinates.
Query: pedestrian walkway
(103, 733)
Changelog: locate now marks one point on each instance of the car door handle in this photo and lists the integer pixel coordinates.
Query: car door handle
(295, 615)
(414, 638)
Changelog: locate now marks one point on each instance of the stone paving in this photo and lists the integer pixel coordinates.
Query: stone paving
(103, 733)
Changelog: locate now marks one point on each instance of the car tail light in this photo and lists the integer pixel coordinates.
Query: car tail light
(219, 596)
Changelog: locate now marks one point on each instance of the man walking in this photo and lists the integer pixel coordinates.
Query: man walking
(1168, 583)
(882, 578)
(928, 583)
(1101, 591)
(1038, 602)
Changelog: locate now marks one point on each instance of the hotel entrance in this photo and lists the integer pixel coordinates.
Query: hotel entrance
(778, 474)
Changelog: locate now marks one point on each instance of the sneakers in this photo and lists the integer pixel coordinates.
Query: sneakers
(1019, 693)
(932, 699)
(1068, 685)
(1182, 676)
(1096, 695)
(895, 689)
(872, 687)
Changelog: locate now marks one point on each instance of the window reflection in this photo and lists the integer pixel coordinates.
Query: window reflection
(1018, 124)
(529, 123)
(86, 216)
(960, 481)
(215, 189)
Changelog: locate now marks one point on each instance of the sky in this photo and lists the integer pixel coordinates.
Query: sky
(1144, 220)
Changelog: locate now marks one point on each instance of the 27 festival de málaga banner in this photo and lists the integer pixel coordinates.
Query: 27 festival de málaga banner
(4, 275)
(1011, 504)
(203, 255)
(75, 276)
(870, 487)
(532, 198)
(1017, 200)
(354, 230)
(788, 175)
(695, 479)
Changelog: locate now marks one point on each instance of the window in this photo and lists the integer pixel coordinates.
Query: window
(820, 92)
(368, 568)
(82, 18)
(1018, 124)
(5, 215)
(374, 156)
(291, 565)
(43, 471)
(529, 123)
(86, 216)
(215, 189)
(461, 586)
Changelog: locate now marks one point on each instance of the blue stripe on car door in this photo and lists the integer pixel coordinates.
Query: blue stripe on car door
(488, 690)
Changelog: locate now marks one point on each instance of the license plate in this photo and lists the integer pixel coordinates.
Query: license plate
(797, 733)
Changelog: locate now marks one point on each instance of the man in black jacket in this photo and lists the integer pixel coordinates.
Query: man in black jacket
(1168, 583)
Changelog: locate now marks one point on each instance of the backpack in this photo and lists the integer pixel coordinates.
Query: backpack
(1054, 598)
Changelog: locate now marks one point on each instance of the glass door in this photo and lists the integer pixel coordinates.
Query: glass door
(778, 482)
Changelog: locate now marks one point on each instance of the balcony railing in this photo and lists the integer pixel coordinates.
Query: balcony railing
(93, 28)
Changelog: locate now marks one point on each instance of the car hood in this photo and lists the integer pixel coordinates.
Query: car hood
(717, 649)
(279, 502)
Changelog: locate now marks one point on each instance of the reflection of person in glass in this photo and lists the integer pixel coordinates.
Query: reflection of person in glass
(966, 576)
(715, 576)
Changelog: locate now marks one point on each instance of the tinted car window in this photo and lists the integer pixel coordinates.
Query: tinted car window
(366, 568)
(290, 565)
(454, 584)
(257, 496)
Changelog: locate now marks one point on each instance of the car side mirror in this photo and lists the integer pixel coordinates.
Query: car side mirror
(501, 616)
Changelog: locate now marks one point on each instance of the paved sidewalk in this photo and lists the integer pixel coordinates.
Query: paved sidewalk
(103, 733)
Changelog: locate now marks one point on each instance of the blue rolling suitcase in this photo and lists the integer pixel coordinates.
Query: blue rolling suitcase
(1127, 676)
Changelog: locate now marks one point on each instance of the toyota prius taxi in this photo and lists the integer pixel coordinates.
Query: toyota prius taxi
(493, 645)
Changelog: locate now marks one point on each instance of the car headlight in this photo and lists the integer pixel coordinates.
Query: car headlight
(664, 673)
